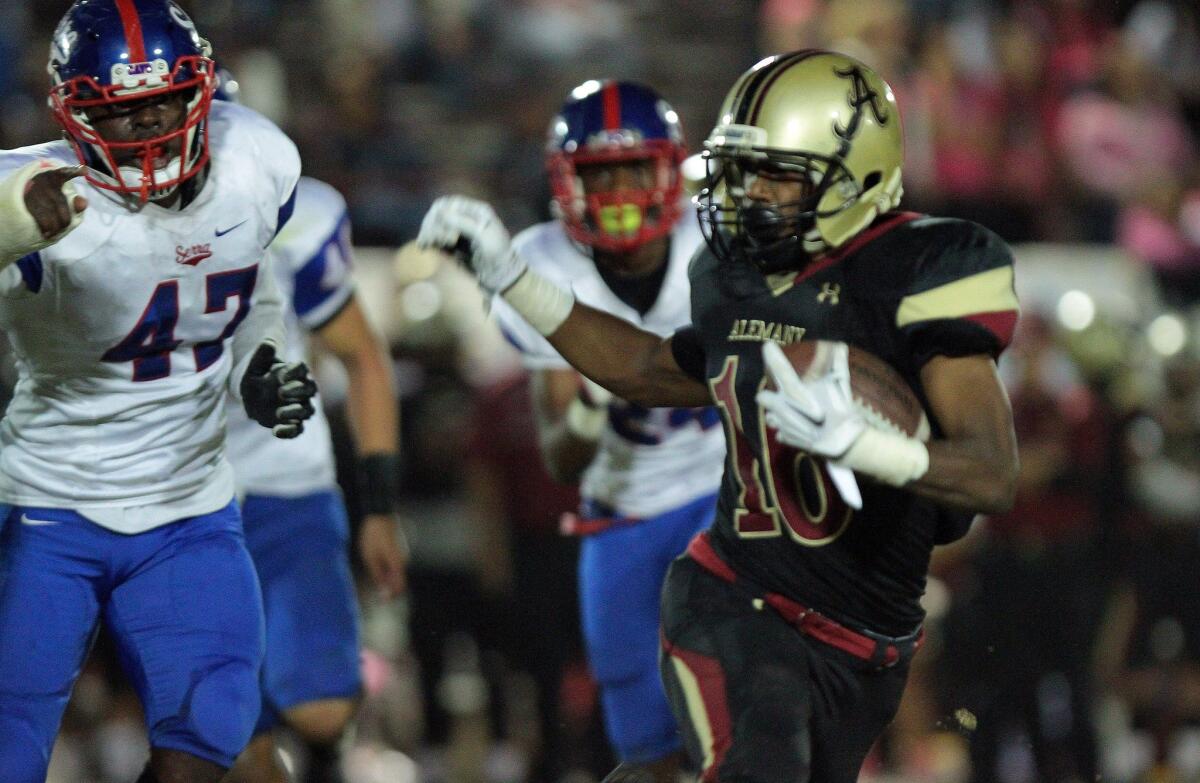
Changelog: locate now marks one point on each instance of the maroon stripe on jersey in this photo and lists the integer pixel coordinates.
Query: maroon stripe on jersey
(1001, 324)
(133, 30)
(870, 235)
(710, 679)
(612, 107)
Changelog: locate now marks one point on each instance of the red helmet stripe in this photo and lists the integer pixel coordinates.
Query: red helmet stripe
(612, 107)
(133, 30)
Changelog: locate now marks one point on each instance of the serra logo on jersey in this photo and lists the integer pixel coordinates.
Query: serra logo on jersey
(190, 256)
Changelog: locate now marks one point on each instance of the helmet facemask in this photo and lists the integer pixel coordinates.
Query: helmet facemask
(618, 220)
(773, 236)
(153, 176)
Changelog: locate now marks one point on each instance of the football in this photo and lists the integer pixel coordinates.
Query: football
(878, 390)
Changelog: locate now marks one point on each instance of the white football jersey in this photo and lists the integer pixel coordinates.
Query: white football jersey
(312, 262)
(649, 461)
(122, 335)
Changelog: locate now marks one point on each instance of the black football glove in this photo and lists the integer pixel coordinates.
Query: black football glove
(277, 394)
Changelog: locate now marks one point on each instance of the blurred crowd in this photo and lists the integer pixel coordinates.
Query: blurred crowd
(1065, 635)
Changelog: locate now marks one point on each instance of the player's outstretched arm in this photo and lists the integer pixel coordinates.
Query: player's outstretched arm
(38, 207)
(350, 338)
(974, 465)
(633, 364)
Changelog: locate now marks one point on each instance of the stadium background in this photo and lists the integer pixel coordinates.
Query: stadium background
(1065, 636)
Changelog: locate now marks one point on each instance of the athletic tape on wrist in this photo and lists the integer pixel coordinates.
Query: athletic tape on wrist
(586, 421)
(888, 456)
(542, 303)
(19, 232)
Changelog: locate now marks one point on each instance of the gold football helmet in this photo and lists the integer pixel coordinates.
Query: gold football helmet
(821, 119)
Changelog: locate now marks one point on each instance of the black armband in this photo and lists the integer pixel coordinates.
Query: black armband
(377, 483)
(952, 525)
(688, 351)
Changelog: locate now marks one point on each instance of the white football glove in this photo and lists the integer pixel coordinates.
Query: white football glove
(820, 417)
(470, 229)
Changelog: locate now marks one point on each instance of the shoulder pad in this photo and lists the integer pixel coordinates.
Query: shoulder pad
(959, 297)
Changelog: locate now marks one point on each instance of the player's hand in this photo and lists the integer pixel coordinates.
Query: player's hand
(470, 229)
(51, 199)
(38, 207)
(817, 417)
(277, 394)
(384, 553)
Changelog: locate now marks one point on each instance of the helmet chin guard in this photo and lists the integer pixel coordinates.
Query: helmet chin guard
(99, 58)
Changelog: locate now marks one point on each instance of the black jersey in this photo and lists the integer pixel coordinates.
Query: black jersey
(908, 289)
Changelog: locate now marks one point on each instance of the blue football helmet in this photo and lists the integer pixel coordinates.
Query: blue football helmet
(614, 123)
(109, 52)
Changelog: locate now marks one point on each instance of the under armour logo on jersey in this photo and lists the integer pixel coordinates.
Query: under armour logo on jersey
(831, 293)
(190, 256)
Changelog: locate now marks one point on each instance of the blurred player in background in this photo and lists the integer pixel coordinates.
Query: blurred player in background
(622, 242)
(135, 299)
(788, 627)
(296, 526)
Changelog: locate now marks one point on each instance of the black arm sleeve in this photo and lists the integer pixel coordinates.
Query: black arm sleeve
(688, 351)
(952, 525)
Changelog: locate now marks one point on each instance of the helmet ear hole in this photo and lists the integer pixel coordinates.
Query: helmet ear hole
(871, 180)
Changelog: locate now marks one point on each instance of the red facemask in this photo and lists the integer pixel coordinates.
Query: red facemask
(148, 174)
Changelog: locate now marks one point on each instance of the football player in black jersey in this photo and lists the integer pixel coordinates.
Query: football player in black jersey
(788, 626)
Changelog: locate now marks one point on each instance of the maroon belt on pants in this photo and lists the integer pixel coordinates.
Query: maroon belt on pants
(878, 650)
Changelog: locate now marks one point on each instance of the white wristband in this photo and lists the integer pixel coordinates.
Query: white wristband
(19, 232)
(888, 456)
(542, 303)
(585, 421)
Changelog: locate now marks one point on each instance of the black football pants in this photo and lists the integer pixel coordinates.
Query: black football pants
(757, 700)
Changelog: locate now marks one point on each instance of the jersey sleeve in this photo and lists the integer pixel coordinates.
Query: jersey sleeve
(279, 157)
(960, 299)
(324, 282)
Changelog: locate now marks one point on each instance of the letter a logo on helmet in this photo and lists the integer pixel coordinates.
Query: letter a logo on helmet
(106, 53)
(821, 118)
